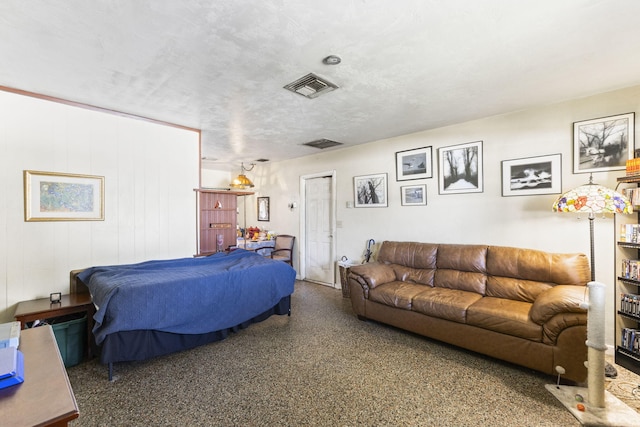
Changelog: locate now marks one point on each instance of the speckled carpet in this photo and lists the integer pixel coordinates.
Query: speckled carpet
(320, 367)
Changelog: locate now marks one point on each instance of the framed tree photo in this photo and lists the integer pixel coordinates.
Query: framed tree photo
(460, 168)
(263, 209)
(603, 144)
(414, 164)
(532, 176)
(413, 195)
(370, 191)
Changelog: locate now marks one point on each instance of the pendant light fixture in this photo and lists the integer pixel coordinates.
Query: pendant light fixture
(241, 181)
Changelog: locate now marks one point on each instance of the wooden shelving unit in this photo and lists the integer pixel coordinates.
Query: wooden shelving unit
(625, 318)
(217, 219)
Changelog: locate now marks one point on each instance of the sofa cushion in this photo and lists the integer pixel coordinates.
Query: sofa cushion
(449, 304)
(516, 289)
(505, 316)
(423, 276)
(396, 294)
(374, 274)
(461, 267)
(462, 280)
(410, 254)
(556, 300)
(538, 266)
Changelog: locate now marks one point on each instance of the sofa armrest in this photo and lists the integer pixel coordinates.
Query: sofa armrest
(556, 300)
(373, 274)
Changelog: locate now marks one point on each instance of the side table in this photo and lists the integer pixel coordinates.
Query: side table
(28, 311)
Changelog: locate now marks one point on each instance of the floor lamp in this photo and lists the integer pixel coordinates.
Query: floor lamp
(600, 408)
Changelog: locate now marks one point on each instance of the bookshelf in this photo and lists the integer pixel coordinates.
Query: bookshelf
(217, 219)
(627, 288)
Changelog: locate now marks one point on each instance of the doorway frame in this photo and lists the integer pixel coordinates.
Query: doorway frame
(303, 221)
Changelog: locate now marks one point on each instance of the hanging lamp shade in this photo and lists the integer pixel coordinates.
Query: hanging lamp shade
(241, 181)
(593, 198)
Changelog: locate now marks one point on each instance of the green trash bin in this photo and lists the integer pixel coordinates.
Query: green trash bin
(71, 337)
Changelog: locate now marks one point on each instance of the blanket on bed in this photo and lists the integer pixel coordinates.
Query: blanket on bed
(187, 295)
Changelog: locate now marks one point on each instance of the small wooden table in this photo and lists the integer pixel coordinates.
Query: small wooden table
(45, 398)
(39, 309)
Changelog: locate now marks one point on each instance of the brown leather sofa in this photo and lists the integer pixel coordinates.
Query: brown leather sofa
(518, 305)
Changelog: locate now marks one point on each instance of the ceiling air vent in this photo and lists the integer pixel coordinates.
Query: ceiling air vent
(322, 143)
(311, 86)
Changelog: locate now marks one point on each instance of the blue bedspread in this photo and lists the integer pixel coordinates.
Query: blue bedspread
(187, 295)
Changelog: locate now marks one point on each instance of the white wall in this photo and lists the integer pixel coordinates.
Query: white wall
(150, 172)
(525, 221)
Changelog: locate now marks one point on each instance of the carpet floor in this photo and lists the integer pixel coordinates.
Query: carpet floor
(322, 367)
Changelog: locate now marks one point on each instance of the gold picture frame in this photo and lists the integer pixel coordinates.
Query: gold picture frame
(54, 196)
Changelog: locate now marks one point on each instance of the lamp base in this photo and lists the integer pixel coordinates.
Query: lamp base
(614, 413)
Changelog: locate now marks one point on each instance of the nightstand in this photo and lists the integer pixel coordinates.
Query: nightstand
(39, 309)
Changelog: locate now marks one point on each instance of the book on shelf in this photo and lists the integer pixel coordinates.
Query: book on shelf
(632, 167)
(630, 304)
(630, 340)
(630, 233)
(633, 194)
(630, 269)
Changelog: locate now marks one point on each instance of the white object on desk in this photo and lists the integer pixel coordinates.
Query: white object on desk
(9, 334)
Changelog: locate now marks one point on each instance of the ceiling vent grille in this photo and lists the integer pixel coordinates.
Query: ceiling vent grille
(322, 143)
(311, 86)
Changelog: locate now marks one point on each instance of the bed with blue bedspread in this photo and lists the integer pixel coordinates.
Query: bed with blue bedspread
(158, 307)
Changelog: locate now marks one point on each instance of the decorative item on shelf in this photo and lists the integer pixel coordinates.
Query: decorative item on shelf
(55, 297)
(241, 181)
(218, 205)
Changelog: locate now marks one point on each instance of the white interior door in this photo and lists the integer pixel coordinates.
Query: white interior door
(318, 226)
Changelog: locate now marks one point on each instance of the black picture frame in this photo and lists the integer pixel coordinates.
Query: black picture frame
(460, 168)
(413, 195)
(263, 209)
(532, 176)
(603, 144)
(412, 164)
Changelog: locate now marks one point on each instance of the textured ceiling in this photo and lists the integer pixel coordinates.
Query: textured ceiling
(407, 65)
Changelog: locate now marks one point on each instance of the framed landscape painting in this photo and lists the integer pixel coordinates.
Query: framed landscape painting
(414, 164)
(460, 168)
(52, 196)
(370, 191)
(603, 144)
(413, 195)
(532, 176)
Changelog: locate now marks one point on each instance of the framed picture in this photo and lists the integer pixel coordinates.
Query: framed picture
(603, 144)
(413, 195)
(370, 191)
(414, 164)
(263, 209)
(460, 168)
(52, 196)
(532, 176)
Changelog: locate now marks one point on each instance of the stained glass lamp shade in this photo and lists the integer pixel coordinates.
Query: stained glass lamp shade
(592, 199)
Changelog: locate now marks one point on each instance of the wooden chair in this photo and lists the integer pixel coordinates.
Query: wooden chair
(283, 250)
